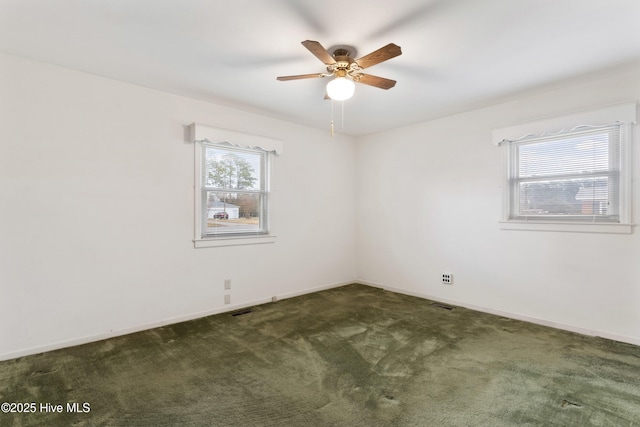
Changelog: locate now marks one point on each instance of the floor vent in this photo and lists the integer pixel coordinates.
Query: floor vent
(241, 312)
(444, 306)
(569, 404)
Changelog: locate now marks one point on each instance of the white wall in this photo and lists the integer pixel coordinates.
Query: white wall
(445, 175)
(96, 214)
(96, 210)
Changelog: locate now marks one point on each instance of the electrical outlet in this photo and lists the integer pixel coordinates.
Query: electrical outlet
(447, 279)
(227, 284)
(227, 299)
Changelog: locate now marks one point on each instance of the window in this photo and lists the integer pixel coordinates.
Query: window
(232, 187)
(573, 176)
(234, 191)
(575, 180)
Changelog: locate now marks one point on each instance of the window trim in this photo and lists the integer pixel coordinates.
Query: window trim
(201, 135)
(623, 114)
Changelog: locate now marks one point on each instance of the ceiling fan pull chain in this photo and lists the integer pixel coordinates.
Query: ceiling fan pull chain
(332, 118)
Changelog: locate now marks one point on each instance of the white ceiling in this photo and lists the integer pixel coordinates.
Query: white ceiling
(457, 54)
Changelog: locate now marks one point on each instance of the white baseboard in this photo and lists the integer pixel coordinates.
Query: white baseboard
(164, 322)
(510, 315)
(228, 308)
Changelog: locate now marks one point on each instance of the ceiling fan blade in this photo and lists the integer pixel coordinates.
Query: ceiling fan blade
(387, 52)
(300, 76)
(376, 81)
(319, 51)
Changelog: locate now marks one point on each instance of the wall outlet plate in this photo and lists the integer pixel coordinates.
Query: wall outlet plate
(447, 278)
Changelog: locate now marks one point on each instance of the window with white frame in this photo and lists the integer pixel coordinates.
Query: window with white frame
(234, 190)
(570, 180)
(232, 187)
(571, 176)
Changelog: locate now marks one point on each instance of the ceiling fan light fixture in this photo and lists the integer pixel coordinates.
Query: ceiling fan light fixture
(340, 89)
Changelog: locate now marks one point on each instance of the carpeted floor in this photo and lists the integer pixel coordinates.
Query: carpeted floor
(351, 356)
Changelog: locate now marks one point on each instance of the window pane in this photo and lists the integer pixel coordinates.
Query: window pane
(234, 213)
(564, 197)
(233, 169)
(586, 153)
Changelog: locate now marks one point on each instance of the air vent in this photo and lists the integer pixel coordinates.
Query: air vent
(241, 312)
(443, 306)
(569, 404)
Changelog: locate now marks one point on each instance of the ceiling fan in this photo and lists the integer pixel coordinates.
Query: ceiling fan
(347, 70)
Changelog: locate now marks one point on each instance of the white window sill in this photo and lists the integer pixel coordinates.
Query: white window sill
(233, 241)
(573, 227)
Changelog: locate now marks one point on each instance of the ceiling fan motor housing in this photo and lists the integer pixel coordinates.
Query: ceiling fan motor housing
(345, 65)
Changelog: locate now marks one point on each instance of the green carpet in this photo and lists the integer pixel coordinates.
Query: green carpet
(351, 356)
